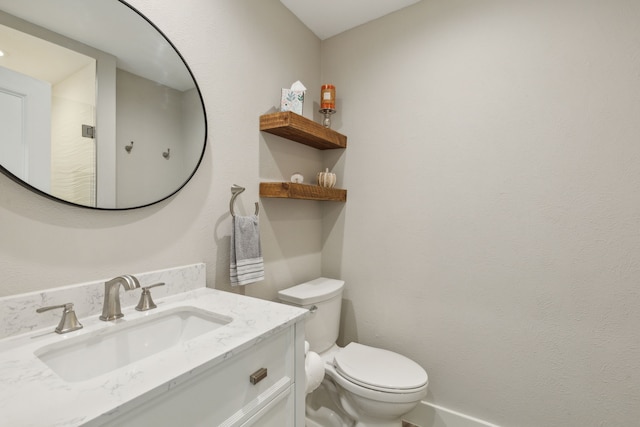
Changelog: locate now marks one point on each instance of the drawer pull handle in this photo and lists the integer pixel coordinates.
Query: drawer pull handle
(258, 376)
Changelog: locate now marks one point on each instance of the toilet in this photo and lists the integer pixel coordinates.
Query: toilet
(370, 386)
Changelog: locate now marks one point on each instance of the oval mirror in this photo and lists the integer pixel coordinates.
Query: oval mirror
(97, 107)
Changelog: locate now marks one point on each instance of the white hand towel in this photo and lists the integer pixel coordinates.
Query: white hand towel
(247, 265)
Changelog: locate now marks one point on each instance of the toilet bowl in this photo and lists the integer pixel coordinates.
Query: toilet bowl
(370, 386)
(376, 387)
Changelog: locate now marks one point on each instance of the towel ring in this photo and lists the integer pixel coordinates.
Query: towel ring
(235, 191)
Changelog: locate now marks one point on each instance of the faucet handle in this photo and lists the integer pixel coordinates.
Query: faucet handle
(146, 302)
(69, 321)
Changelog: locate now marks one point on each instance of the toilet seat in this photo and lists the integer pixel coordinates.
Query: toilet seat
(380, 370)
(406, 396)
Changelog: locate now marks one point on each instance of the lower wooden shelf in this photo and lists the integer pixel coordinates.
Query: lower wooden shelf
(290, 190)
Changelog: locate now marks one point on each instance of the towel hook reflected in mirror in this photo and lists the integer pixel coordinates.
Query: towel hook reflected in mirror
(235, 191)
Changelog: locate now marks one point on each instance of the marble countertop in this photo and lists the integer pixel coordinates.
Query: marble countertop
(31, 394)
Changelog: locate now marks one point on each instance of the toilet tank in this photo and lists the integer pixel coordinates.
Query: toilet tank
(323, 297)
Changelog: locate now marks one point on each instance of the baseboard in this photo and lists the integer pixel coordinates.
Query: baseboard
(430, 415)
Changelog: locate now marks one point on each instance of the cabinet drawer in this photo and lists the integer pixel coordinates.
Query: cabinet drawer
(223, 395)
(276, 356)
(277, 413)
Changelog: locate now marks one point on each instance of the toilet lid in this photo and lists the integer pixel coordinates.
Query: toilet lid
(379, 369)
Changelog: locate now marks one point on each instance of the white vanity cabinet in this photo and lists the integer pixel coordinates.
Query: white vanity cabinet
(225, 394)
(200, 380)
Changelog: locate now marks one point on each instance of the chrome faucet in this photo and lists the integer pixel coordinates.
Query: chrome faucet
(111, 308)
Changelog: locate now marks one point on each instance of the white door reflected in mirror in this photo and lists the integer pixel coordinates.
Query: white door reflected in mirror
(25, 120)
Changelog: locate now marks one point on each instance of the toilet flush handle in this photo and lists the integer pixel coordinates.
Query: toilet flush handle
(313, 308)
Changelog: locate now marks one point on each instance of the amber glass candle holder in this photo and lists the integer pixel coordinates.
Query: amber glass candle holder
(327, 103)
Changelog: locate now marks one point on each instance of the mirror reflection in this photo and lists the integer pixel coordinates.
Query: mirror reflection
(97, 108)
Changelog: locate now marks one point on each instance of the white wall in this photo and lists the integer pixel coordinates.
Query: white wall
(492, 227)
(192, 125)
(73, 157)
(148, 114)
(242, 53)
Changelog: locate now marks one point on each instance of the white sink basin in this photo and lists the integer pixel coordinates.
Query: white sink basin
(87, 356)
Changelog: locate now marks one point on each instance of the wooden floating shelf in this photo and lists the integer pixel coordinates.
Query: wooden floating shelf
(300, 129)
(290, 190)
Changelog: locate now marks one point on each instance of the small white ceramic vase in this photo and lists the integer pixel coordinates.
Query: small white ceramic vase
(326, 179)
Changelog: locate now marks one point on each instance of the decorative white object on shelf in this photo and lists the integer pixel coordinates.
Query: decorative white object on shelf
(326, 179)
(297, 178)
(292, 99)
